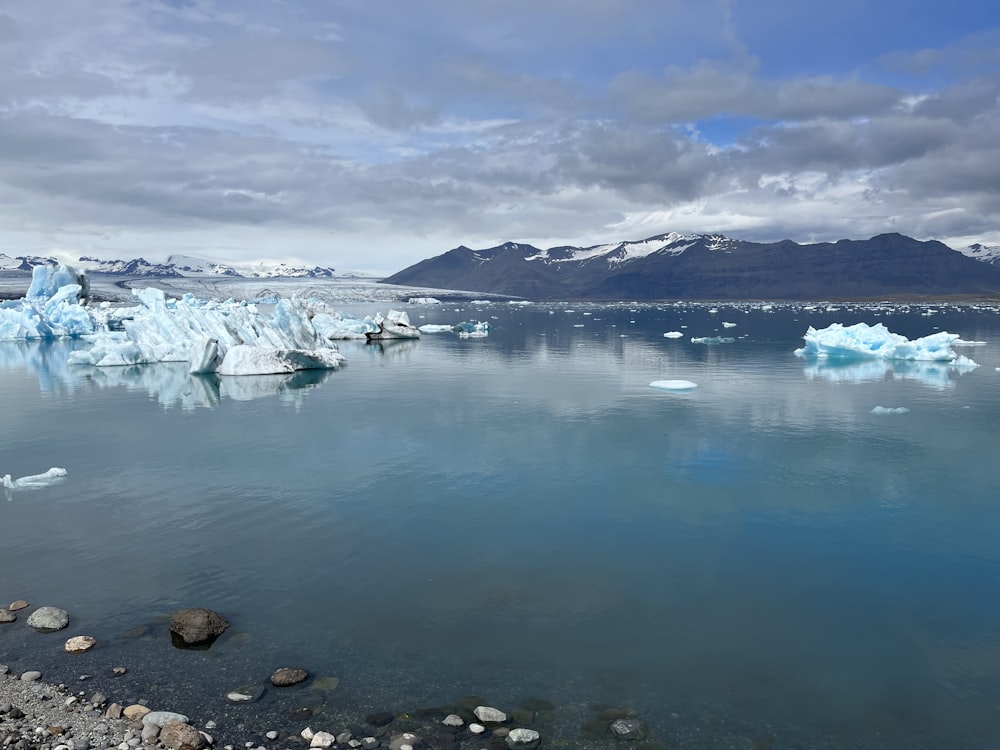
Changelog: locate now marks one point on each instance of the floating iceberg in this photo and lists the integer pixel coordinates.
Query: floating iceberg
(472, 330)
(711, 340)
(862, 341)
(673, 385)
(51, 309)
(673, 335)
(35, 481)
(218, 336)
(395, 325)
(890, 410)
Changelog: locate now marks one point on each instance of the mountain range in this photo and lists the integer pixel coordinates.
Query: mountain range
(712, 266)
(175, 265)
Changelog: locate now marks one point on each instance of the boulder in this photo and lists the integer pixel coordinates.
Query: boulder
(522, 739)
(180, 736)
(48, 619)
(489, 715)
(288, 676)
(7, 616)
(628, 729)
(197, 626)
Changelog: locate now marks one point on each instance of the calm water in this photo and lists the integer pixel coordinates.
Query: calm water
(760, 560)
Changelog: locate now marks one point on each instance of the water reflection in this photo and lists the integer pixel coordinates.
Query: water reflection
(169, 382)
(934, 374)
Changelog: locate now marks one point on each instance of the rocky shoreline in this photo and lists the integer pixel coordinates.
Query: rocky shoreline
(50, 715)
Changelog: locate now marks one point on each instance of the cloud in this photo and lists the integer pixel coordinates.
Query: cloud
(288, 124)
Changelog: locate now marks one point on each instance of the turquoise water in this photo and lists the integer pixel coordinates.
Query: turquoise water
(523, 516)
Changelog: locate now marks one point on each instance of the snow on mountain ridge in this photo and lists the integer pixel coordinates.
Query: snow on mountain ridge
(986, 253)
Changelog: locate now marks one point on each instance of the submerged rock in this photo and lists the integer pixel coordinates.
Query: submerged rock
(628, 729)
(286, 676)
(80, 643)
(197, 626)
(48, 619)
(7, 616)
(490, 715)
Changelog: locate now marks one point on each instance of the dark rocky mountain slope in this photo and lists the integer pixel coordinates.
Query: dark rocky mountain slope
(673, 266)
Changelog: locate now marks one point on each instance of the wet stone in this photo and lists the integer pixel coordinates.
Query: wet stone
(7, 616)
(286, 676)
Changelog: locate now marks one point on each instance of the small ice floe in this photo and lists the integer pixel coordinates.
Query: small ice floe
(673, 385)
(728, 325)
(435, 328)
(35, 481)
(890, 410)
(673, 335)
(424, 301)
(712, 340)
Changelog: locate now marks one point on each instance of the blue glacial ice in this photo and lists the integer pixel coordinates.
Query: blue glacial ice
(51, 308)
(296, 335)
(862, 341)
(861, 353)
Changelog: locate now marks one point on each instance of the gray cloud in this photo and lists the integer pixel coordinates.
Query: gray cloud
(464, 122)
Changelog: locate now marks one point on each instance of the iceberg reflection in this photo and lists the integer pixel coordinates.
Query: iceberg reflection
(169, 382)
(934, 374)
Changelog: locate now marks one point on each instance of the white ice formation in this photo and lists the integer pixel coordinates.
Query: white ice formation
(231, 338)
(862, 341)
(51, 308)
(673, 335)
(889, 410)
(35, 481)
(464, 330)
(673, 385)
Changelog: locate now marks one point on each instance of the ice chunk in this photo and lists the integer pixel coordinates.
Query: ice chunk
(710, 340)
(890, 410)
(673, 335)
(424, 301)
(201, 333)
(49, 311)
(673, 385)
(862, 341)
(728, 325)
(251, 360)
(34, 481)
(435, 328)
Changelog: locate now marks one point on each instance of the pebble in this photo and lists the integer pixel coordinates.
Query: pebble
(476, 728)
(31, 676)
(288, 676)
(490, 715)
(272, 735)
(19, 604)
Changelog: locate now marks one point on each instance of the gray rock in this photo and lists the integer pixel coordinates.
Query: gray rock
(19, 604)
(181, 736)
(344, 737)
(7, 616)
(288, 676)
(452, 720)
(162, 718)
(31, 676)
(197, 626)
(628, 729)
(150, 732)
(522, 738)
(369, 743)
(48, 619)
(272, 735)
(489, 715)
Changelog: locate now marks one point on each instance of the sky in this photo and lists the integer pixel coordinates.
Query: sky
(370, 135)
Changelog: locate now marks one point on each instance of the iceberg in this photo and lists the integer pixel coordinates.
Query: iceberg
(52, 308)
(207, 334)
(35, 481)
(673, 385)
(711, 340)
(673, 335)
(862, 341)
(395, 325)
(890, 410)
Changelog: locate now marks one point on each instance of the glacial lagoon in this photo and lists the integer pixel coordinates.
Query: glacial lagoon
(778, 557)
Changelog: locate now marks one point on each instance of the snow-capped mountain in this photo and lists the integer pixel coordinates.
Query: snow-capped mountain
(986, 253)
(175, 265)
(709, 266)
